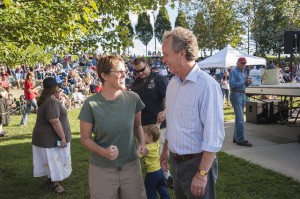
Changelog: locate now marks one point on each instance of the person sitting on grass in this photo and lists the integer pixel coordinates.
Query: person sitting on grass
(5, 83)
(154, 179)
(63, 98)
(11, 101)
(77, 97)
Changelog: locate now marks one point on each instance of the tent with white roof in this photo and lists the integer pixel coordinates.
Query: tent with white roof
(228, 57)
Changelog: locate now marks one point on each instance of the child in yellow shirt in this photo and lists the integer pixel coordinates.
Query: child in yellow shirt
(154, 179)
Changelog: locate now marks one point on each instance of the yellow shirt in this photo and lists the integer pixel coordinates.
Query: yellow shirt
(152, 159)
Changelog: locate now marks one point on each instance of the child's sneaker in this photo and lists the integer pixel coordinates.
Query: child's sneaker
(169, 182)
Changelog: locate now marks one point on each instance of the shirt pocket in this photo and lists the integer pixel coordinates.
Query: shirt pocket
(188, 116)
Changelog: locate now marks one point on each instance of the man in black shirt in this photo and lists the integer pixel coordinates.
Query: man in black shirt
(151, 87)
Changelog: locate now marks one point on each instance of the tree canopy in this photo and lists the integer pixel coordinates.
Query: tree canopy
(162, 24)
(181, 20)
(68, 25)
(215, 25)
(144, 29)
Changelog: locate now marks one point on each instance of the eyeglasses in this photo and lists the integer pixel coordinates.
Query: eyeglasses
(243, 62)
(119, 71)
(141, 70)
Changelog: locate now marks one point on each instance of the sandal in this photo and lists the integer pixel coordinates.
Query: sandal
(58, 188)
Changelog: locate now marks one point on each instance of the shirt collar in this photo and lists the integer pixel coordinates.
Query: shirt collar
(192, 76)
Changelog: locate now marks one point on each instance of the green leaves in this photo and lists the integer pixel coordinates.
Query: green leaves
(52, 23)
(162, 24)
(272, 19)
(216, 24)
(93, 4)
(181, 20)
(144, 29)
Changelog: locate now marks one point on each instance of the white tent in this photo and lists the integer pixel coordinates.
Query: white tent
(228, 57)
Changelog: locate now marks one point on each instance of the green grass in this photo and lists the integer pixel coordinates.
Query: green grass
(228, 113)
(238, 179)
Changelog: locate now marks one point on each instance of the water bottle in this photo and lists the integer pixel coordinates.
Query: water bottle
(256, 77)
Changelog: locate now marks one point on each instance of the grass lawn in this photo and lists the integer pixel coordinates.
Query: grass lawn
(238, 179)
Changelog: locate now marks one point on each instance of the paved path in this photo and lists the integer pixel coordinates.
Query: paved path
(275, 147)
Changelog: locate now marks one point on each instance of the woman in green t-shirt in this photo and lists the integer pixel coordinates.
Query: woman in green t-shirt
(114, 117)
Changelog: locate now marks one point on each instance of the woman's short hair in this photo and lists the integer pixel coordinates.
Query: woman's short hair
(105, 64)
(182, 38)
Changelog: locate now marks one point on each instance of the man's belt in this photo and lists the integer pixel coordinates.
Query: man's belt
(186, 157)
(237, 91)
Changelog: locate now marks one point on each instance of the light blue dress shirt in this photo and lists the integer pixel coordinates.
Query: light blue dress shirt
(195, 118)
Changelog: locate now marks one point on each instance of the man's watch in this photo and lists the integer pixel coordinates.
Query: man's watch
(202, 172)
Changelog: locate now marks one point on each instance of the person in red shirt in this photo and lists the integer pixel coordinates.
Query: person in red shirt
(30, 95)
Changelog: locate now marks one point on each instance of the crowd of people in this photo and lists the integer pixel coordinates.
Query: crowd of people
(175, 117)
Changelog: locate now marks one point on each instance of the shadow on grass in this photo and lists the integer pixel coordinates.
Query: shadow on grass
(238, 179)
(16, 173)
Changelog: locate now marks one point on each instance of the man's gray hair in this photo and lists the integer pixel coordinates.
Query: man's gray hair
(182, 38)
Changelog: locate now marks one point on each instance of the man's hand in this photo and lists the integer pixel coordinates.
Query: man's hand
(161, 117)
(164, 157)
(198, 185)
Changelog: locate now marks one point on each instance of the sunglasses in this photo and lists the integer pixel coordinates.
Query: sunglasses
(243, 62)
(141, 70)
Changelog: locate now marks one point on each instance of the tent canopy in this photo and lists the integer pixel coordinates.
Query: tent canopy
(228, 57)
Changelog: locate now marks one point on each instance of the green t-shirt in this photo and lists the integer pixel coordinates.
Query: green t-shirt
(113, 123)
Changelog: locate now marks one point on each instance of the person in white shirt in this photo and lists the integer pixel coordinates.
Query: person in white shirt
(195, 119)
(225, 86)
(77, 98)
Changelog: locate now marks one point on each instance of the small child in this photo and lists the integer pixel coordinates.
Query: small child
(154, 179)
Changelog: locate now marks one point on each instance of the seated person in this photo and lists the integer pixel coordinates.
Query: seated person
(97, 85)
(11, 102)
(79, 82)
(63, 98)
(77, 97)
(85, 88)
(5, 83)
(66, 86)
(72, 80)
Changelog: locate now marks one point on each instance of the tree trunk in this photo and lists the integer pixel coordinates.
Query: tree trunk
(146, 50)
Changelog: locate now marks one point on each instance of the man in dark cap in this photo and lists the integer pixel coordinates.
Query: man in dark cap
(238, 82)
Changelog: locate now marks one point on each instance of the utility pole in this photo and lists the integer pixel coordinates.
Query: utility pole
(154, 31)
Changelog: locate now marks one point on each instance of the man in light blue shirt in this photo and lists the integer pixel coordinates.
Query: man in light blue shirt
(195, 119)
(238, 82)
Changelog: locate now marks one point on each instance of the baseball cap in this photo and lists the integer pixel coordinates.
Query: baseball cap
(242, 60)
(49, 82)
